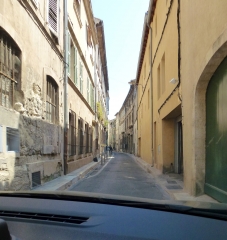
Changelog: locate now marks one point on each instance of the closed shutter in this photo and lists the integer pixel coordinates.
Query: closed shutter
(53, 15)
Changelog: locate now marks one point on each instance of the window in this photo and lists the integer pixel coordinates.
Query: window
(92, 96)
(53, 16)
(75, 67)
(77, 9)
(87, 137)
(81, 77)
(81, 136)
(72, 60)
(91, 138)
(36, 2)
(163, 73)
(88, 90)
(158, 82)
(51, 100)
(77, 4)
(88, 33)
(1, 140)
(10, 69)
(72, 134)
(13, 139)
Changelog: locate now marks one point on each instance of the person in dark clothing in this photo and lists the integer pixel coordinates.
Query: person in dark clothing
(111, 149)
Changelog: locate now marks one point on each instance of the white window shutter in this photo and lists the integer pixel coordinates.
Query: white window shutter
(36, 2)
(53, 15)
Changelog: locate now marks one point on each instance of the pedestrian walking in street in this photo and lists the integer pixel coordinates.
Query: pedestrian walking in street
(111, 149)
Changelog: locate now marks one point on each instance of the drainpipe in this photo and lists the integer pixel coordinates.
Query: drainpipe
(95, 100)
(151, 89)
(66, 64)
(95, 78)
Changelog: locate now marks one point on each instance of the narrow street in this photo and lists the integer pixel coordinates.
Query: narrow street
(121, 175)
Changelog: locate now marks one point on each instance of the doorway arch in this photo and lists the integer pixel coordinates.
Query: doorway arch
(213, 59)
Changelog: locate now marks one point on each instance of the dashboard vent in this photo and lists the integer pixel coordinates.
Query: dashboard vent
(44, 217)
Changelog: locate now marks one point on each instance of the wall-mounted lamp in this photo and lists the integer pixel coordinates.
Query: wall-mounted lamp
(133, 82)
(173, 81)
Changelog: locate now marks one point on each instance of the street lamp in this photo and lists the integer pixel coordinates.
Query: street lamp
(173, 81)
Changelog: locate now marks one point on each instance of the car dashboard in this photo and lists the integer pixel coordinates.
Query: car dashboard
(43, 217)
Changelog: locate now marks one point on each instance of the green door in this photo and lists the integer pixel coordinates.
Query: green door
(216, 135)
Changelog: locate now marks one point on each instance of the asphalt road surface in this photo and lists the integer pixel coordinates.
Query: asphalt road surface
(121, 175)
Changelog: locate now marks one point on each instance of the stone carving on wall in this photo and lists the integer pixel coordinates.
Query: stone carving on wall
(34, 103)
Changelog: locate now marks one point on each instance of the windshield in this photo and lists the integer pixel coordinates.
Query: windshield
(126, 98)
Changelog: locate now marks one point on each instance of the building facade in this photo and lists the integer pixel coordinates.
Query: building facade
(203, 77)
(188, 84)
(125, 122)
(112, 133)
(32, 106)
(117, 132)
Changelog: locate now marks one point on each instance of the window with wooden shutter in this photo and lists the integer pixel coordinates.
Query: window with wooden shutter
(53, 15)
(36, 2)
(77, 9)
(81, 77)
(89, 42)
(88, 90)
(51, 100)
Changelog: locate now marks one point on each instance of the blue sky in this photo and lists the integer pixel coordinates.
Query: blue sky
(123, 26)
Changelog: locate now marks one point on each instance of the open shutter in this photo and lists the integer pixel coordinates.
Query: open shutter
(53, 15)
(1, 140)
(36, 2)
(75, 67)
(69, 53)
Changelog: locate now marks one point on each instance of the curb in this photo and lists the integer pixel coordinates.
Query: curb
(64, 182)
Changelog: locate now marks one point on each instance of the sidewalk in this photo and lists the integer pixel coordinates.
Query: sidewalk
(64, 182)
(172, 183)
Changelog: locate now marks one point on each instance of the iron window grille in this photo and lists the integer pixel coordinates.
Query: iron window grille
(10, 69)
(81, 136)
(87, 138)
(72, 134)
(90, 139)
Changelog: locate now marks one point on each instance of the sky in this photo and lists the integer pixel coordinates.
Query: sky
(123, 25)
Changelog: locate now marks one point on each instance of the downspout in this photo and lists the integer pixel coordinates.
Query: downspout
(95, 101)
(95, 80)
(66, 64)
(151, 92)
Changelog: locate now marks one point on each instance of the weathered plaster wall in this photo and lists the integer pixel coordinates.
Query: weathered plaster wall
(39, 141)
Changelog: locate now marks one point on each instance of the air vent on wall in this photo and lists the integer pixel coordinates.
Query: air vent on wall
(44, 217)
(36, 179)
